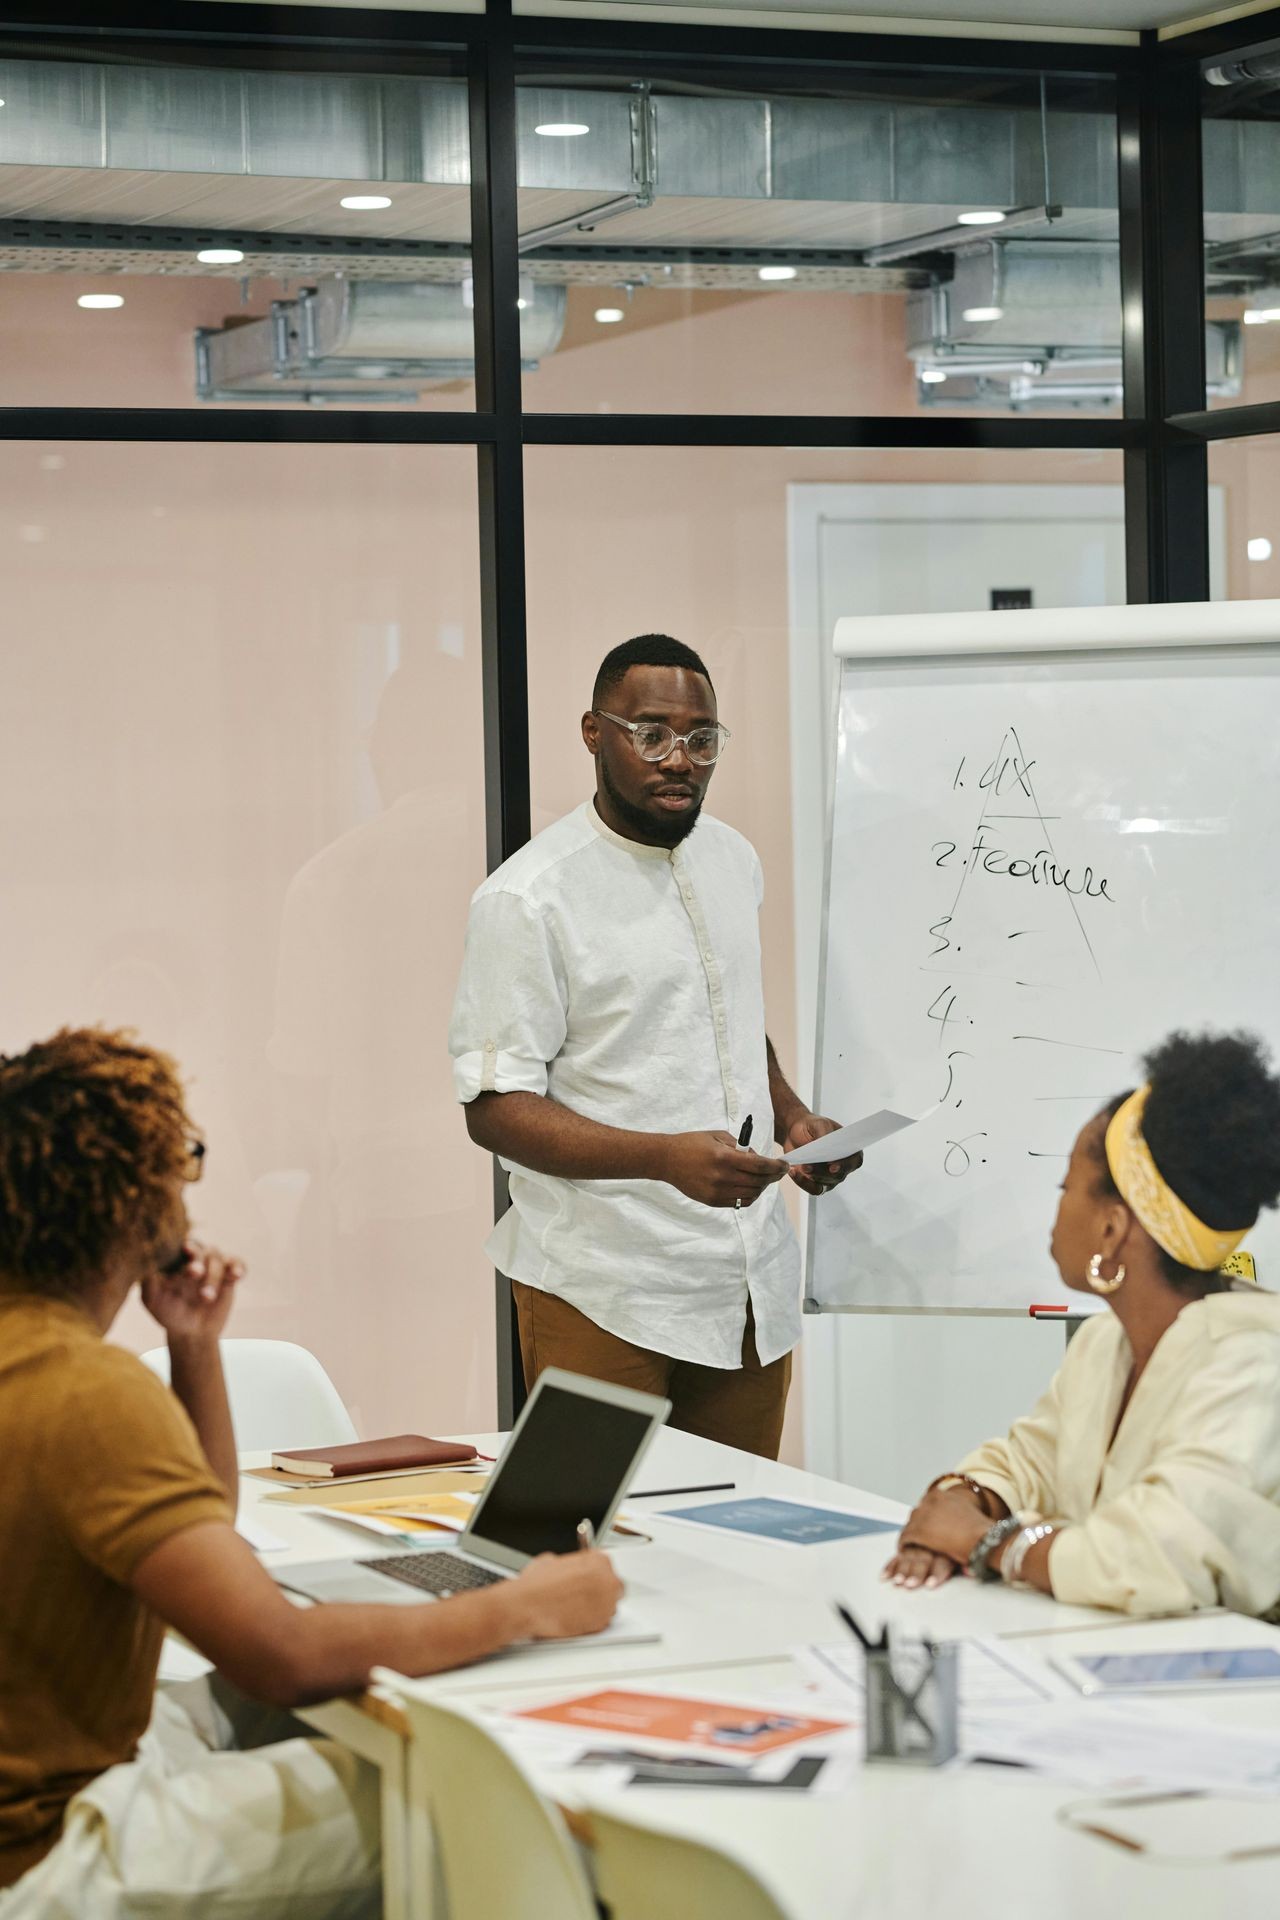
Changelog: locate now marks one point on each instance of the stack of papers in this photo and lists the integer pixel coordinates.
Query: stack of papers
(1015, 1710)
(624, 1737)
(1115, 1750)
(991, 1677)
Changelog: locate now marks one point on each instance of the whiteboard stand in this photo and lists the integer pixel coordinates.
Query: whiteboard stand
(1052, 842)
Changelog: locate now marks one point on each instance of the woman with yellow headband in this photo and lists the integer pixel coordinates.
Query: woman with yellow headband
(1148, 1477)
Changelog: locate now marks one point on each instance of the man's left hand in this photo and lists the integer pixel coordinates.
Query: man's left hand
(817, 1177)
(193, 1303)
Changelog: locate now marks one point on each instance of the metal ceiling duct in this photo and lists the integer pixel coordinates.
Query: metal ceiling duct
(1036, 293)
(664, 189)
(361, 340)
(1051, 335)
(886, 160)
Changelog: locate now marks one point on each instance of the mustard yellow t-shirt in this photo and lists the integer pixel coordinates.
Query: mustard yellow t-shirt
(98, 1464)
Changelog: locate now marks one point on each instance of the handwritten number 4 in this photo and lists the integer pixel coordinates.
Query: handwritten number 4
(945, 1015)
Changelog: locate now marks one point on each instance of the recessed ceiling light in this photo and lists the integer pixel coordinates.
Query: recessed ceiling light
(562, 129)
(220, 256)
(985, 217)
(932, 376)
(522, 304)
(365, 202)
(100, 300)
(982, 313)
(609, 316)
(1259, 549)
(1259, 316)
(776, 273)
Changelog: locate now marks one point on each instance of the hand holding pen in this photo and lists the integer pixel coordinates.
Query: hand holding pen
(718, 1170)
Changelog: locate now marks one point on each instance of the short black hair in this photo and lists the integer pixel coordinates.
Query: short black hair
(646, 650)
(1212, 1123)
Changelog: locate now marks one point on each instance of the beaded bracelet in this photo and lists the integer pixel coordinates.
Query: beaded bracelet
(946, 1480)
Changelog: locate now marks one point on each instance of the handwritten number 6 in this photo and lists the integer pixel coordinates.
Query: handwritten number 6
(961, 1165)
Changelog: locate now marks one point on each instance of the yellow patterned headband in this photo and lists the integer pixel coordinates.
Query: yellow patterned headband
(1171, 1223)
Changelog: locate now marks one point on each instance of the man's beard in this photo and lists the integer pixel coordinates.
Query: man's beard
(667, 832)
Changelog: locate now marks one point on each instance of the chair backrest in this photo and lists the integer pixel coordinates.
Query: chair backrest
(642, 1874)
(280, 1395)
(504, 1852)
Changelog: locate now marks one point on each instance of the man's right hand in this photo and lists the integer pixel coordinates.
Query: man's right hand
(713, 1168)
(561, 1595)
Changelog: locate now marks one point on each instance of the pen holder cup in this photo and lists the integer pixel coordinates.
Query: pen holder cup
(912, 1705)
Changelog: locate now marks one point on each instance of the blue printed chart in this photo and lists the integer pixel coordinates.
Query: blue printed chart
(787, 1521)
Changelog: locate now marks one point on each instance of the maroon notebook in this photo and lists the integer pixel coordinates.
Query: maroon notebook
(373, 1456)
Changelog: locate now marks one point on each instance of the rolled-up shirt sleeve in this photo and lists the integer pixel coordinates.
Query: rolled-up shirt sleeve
(509, 1012)
(1022, 1469)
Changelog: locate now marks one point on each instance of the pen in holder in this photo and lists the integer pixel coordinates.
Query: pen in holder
(912, 1694)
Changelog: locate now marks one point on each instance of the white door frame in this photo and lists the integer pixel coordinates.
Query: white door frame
(814, 685)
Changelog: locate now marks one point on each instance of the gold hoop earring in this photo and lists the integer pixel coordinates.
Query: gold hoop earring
(1097, 1279)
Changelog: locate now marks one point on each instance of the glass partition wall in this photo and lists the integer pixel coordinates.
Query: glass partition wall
(358, 393)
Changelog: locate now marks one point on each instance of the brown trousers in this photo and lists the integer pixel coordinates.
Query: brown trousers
(741, 1406)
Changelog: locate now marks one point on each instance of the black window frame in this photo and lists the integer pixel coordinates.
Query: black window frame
(1163, 434)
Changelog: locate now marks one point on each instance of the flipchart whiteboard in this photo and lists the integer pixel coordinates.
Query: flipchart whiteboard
(1055, 837)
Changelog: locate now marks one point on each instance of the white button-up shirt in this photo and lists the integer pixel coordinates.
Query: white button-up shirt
(623, 981)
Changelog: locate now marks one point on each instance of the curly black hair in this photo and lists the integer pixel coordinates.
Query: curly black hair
(93, 1134)
(1212, 1123)
(646, 650)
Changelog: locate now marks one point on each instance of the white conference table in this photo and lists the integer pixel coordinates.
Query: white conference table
(898, 1844)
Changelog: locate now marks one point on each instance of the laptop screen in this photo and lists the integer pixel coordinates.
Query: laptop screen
(566, 1464)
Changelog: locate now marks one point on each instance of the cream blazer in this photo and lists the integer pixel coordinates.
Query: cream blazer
(1183, 1510)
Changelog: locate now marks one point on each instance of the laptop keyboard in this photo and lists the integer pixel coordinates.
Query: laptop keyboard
(440, 1573)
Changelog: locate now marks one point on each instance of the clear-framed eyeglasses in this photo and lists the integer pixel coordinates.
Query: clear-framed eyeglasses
(654, 741)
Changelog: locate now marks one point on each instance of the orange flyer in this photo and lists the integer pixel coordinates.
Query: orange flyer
(694, 1723)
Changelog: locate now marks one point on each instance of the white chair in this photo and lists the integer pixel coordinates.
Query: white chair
(280, 1396)
(642, 1874)
(503, 1852)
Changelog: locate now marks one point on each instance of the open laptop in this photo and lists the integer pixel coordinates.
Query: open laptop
(570, 1458)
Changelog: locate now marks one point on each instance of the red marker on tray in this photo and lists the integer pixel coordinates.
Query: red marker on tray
(1033, 1311)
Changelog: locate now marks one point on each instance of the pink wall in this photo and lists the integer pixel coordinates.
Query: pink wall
(192, 838)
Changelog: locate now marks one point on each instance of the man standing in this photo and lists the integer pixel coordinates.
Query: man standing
(609, 1043)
